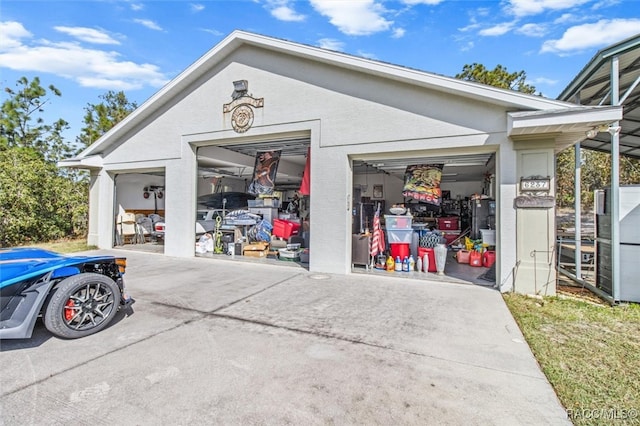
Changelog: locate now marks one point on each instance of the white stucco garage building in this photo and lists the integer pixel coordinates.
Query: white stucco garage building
(353, 114)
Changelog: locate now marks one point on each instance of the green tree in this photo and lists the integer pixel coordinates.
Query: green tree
(22, 124)
(100, 118)
(38, 201)
(595, 173)
(498, 77)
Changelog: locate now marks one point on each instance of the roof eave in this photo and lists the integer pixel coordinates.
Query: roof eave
(93, 162)
(507, 98)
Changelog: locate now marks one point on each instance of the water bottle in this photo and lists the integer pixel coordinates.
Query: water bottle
(425, 262)
(419, 264)
(412, 263)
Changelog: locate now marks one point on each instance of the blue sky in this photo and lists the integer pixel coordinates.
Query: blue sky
(86, 48)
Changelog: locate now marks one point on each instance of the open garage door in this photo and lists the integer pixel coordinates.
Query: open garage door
(224, 190)
(464, 218)
(139, 210)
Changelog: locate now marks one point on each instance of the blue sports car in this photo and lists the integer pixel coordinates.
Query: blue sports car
(75, 295)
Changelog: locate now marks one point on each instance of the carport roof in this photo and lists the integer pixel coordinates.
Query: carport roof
(593, 87)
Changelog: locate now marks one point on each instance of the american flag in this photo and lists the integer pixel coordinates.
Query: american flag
(377, 242)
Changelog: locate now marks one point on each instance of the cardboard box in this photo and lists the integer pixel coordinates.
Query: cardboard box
(259, 249)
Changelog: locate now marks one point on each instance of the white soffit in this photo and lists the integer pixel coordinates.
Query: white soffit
(571, 120)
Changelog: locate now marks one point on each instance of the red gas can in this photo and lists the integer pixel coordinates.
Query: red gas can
(488, 258)
(475, 258)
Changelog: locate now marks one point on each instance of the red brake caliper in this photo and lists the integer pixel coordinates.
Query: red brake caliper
(68, 310)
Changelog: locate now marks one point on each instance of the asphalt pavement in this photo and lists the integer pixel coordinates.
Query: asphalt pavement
(222, 342)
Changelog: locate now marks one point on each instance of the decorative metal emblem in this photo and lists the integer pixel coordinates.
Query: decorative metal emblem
(241, 107)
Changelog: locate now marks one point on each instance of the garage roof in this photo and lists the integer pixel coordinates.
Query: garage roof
(528, 115)
(593, 87)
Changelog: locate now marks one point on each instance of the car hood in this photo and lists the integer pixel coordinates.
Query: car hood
(17, 264)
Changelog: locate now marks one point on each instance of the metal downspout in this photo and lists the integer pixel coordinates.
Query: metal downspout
(615, 184)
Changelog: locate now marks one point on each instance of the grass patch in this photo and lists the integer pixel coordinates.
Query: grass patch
(589, 353)
(65, 246)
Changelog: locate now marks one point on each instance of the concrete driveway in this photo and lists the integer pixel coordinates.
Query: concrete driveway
(225, 342)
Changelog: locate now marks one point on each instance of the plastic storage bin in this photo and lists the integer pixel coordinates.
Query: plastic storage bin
(445, 223)
(488, 236)
(399, 236)
(284, 228)
(400, 249)
(451, 236)
(397, 222)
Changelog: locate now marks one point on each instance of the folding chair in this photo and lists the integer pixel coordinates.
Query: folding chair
(127, 228)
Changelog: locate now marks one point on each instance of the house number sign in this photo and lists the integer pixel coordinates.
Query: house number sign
(535, 184)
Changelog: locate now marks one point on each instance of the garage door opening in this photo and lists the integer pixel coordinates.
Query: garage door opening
(462, 216)
(139, 211)
(250, 205)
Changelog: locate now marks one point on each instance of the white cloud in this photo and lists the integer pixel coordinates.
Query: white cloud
(285, 13)
(589, 36)
(467, 46)
(89, 35)
(196, 7)
(331, 44)
(605, 3)
(354, 17)
(472, 26)
(283, 10)
(214, 32)
(88, 67)
(522, 8)
(137, 6)
(11, 33)
(497, 30)
(544, 81)
(367, 55)
(148, 23)
(532, 30)
(565, 18)
(429, 2)
(398, 33)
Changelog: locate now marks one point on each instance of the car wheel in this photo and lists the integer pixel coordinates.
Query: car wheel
(81, 305)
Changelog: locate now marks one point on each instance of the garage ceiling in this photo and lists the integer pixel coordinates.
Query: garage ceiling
(457, 168)
(238, 161)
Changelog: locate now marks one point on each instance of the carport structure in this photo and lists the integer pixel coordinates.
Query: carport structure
(612, 77)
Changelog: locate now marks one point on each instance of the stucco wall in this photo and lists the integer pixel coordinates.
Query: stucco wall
(536, 226)
(344, 112)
